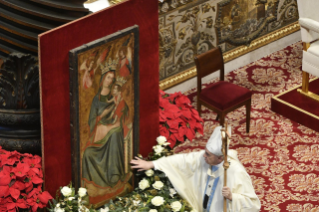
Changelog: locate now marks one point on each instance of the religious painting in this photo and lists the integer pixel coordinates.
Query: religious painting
(104, 95)
(191, 27)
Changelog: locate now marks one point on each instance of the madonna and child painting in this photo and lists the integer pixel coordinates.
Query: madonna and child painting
(104, 97)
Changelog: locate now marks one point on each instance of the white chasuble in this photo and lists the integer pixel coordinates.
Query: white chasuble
(190, 174)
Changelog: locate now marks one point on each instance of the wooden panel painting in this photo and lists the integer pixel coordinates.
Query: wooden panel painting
(104, 85)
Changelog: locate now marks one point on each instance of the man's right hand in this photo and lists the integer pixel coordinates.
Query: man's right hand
(141, 165)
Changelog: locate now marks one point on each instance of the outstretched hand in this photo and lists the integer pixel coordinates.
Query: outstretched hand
(141, 165)
(227, 193)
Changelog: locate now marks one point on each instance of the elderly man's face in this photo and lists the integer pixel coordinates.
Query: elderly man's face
(212, 159)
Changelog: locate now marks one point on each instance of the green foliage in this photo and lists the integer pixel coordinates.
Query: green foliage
(140, 200)
(156, 184)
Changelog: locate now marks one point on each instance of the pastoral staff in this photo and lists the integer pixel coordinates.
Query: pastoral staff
(198, 177)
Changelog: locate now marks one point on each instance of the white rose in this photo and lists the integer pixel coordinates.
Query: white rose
(166, 143)
(176, 206)
(149, 173)
(172, 192)
(136, 202)
(161, 140)
(158, 149)
(82, 192)
(152, 210)
(158, 185)
(157, 201)
(66, 191)
(106, 209)
(83, 208)
(57, 205)
(143, 184)
(71, 198)
(58, 210)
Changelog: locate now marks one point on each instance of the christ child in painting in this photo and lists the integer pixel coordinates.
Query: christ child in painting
(117, 98)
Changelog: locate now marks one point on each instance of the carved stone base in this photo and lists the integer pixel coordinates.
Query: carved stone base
(20, 127)
(32, 145)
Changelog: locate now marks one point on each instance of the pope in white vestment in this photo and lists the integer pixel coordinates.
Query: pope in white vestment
(198, 177)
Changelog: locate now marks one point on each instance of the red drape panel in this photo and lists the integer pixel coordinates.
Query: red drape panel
(54, 47)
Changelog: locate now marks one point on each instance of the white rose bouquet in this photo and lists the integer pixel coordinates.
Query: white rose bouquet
(154, 192)
(67, 200)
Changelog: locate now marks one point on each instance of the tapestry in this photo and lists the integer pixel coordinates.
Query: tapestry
(280, 155)
(104, 86)
(188, 28)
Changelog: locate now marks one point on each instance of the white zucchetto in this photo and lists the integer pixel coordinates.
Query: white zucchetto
(214, 143)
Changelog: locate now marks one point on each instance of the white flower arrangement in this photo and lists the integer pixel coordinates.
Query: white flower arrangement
(82, 192)
(66, 191)
(172, 192)
(158, 185)
(154, 193)
(158, 201)
(161, 140)
(143, 184)
(106, 209)
(158, 149)
(149, 173)
(176, 206)
(68, 201)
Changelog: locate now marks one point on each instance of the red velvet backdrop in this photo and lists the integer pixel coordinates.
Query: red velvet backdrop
(54, 47)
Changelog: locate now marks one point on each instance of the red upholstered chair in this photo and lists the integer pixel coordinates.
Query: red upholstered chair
(221, 97)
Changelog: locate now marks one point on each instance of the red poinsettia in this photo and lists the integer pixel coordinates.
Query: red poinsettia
(178, 118)
(21, 182)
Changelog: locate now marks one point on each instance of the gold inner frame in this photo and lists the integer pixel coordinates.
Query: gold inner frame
(230, 55)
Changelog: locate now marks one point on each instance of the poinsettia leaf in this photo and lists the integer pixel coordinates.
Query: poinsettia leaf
(19, 185)
(11, 206)
(199, 128)
(44, 197)
(36, 180)
(190, 134)
(21, 203)
(163, 131)
(172, 140)
(35, 207)
(4, 191)
(173, 124)
(28, 189)
(5, 179)
(15, 193)
(161, 92)
(182, 100)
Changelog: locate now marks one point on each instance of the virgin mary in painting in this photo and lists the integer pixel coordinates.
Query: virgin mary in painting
(103, 162)
(104, 93)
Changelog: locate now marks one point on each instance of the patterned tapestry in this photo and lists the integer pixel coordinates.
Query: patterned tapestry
(188, 28)
(280, 155)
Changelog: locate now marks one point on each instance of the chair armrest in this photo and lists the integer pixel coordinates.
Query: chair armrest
(309, 24)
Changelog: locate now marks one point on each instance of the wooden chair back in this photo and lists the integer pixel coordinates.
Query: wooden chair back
(207, 63)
